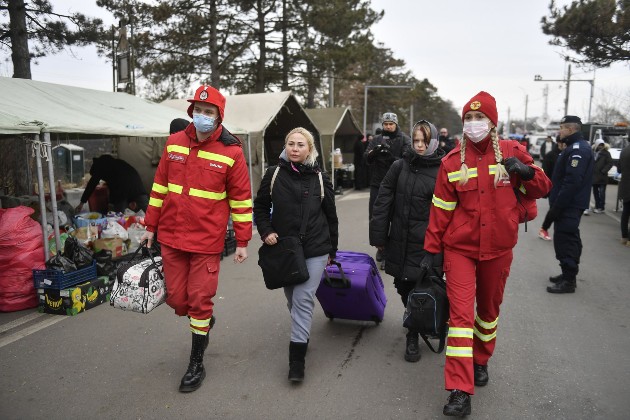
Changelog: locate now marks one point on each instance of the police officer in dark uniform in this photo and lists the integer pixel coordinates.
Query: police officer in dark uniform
(381, 152)
(569, 197)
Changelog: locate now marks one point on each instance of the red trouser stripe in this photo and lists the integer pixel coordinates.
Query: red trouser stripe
(191, 283)
(466, 280)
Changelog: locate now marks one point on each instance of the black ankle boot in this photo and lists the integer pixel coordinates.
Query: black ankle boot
(297, 354)
(481, 375)
(196, 373)
(556, 279)
(562, 287)
(458, 404)
(412, 348)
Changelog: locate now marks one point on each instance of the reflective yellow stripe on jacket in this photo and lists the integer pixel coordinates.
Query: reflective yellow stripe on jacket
(446, 205)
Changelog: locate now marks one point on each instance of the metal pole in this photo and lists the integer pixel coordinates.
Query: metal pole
(114, 58)
(590, 101)
(566, 99)
(365, 89)
(331, 91)
(525, 121)
(40, 190)
(411, 120)
(53, 191)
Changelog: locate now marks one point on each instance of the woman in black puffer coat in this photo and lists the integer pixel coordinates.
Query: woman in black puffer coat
(401, 215)
(286, 188)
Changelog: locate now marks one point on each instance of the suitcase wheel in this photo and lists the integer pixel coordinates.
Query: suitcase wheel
(376, 319)
(329, 315)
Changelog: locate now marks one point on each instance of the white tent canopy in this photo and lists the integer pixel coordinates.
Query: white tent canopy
(267, 117)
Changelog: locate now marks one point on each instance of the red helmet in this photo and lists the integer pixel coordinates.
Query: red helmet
(209, 95)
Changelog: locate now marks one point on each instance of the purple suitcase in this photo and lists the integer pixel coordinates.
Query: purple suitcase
(352, 289)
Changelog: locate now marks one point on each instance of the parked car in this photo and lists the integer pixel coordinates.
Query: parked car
(535, 141)
(617, 143)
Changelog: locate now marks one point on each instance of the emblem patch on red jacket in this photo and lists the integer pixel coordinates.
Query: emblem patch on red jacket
(176, 158)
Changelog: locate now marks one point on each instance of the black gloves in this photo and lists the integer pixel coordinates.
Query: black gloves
(381, 149)
(515, 166)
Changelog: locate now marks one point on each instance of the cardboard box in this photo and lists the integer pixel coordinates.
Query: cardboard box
(111, 244)
(75, 299)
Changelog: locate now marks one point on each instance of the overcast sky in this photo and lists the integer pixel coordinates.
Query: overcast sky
(461, 47)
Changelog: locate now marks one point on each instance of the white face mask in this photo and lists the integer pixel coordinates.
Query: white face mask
(476, 130)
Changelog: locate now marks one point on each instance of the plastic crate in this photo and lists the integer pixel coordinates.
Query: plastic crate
(56, 279)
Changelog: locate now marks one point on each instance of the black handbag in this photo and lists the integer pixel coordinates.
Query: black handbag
(427, 310)
(283, 264)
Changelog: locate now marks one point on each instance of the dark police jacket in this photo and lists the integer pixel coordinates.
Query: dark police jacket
(572, 175)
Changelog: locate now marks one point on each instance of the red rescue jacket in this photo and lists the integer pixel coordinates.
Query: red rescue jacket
(196, 187)
(476, 219)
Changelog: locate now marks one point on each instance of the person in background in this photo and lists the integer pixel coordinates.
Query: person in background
(126, 189)
(603, 164)
(446, 143)
(401, 214)
(381, 153)
(546, 147)
(360, 166)
(548, 164)
(474, 222)
(201, 181)
(623, 167)
(177, 125)
(298, 171)
(569, 197)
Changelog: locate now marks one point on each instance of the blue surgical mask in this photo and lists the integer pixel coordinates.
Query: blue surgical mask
(203, 123)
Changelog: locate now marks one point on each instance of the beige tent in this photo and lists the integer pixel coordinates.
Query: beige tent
(338, 129)
(267, 117)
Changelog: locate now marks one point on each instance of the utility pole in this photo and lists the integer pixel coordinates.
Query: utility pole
(568, 80)
(525, 120)
(546, 109)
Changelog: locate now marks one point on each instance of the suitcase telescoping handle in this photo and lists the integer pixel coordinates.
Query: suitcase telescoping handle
(342, 283)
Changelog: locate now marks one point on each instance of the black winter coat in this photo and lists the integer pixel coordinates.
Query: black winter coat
(603, 163)
(401, 212)
(380, 159)
(290, 193)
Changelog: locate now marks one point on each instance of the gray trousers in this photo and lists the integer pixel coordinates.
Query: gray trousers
(301, 299)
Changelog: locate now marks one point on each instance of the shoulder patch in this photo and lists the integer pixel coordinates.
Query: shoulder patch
(576, 145)
(574, 162)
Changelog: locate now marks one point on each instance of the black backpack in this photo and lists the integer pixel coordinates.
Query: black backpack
(427, 310)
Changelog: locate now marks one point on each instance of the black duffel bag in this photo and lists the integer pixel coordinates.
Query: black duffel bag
(283, 264)
(427, 310)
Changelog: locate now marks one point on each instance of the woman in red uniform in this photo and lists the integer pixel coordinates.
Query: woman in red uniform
(474, 221)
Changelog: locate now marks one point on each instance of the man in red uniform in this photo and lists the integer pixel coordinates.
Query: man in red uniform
(474, 222)
(201, 181)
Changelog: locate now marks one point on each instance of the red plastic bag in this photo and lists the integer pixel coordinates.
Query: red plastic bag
(21, 251)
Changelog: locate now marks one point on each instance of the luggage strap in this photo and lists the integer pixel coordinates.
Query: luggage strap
(440, 345)
(319, 175)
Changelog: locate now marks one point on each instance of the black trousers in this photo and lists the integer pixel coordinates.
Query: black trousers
(566, 240)
(403, 288)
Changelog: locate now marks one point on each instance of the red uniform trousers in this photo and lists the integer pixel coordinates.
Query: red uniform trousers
(472, 338)
(191, 283)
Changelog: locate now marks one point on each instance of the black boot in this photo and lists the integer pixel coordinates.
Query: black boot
(297, 353)
(556, 279)
(481, 375)
(458, 404)
(564, 286)
(568, 282)
(196, 373)
(412, 348)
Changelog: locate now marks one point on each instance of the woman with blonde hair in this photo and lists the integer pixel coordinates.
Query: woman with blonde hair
(474, 222)
(287, 188)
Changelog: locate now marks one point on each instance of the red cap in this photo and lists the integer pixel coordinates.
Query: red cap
(209, 95)
(485, 103)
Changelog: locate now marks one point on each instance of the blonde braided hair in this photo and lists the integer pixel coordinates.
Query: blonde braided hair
(498, 157)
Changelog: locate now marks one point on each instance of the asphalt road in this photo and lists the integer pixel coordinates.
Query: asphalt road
(557, 356)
